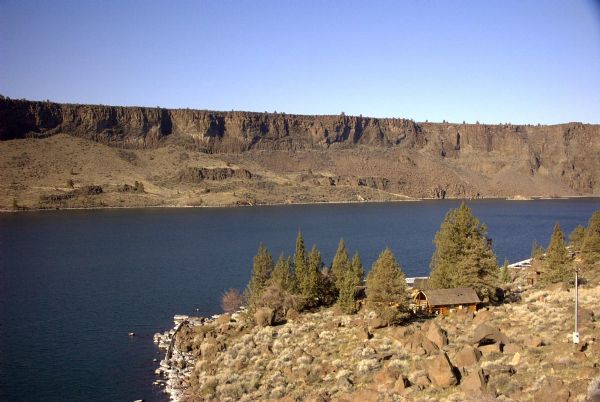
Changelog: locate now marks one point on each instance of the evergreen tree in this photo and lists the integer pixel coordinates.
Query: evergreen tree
(282, 275)
(357, 267)
(504, 275)
(537, 251)
(462, 257)
(310, 282)
(576, 238)
(300, 260)
(261, 274)
(590, 250)
(557, 267)
(386, 289)
(341, 264)
(347, 291)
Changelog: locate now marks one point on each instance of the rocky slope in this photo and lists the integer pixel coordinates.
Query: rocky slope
(344, 155)
(518, 351)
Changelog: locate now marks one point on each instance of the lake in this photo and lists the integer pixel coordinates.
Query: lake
(73, 284)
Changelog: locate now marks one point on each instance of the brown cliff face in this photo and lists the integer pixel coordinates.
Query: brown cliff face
(397, 156)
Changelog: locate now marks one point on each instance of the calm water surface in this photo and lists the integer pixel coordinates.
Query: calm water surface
(74, 283)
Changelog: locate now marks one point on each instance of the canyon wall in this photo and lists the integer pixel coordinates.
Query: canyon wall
(569, 153)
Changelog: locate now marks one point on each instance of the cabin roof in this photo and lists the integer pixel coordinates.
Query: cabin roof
(444, 297)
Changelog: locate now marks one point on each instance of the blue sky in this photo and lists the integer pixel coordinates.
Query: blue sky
(518, 61)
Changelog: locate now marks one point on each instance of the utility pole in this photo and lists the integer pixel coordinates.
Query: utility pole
(576, 333)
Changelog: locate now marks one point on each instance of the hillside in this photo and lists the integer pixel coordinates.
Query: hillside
(51, 153)
(520, 350)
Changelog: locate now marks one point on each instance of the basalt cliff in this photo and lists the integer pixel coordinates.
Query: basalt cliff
(198, 157)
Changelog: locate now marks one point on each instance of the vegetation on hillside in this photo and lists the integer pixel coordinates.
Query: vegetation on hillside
(463, 257)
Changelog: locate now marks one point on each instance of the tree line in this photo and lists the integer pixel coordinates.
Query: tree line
(463, 257)
(559, 261)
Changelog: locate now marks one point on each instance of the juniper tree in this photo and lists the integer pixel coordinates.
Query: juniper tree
(341, 264)
(386, 289)
(310, 283)
(504, 273)
(282, 275)
(537, 250)
(357, 267)
(463, 257)
(352, 277)
(576, 238)
(300, 260)
(556, 266)
(590, 250)
(262, 269)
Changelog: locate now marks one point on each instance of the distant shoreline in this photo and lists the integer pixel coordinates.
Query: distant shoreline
(513, 198)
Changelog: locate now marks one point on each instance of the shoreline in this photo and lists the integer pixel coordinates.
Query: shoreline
(510, 198)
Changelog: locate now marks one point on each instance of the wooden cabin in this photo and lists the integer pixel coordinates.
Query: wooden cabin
(446, 300)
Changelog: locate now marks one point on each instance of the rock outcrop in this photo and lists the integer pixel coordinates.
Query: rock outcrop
(354, 157)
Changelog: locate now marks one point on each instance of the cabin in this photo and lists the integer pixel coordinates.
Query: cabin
(445, 301)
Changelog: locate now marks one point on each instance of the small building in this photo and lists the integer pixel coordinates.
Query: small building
(446, 300)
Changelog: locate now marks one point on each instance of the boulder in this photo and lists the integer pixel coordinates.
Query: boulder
(264, 316)
(437, 336)
(482, 316)
(466, 357)
(387, 377)
(551, 389)
(489, 349)
(422, 381)
(512, 348)
(535, 342)
(485, 334)
(401, 333)
(363, 333)
(376, 323)
(473, 382)
(440, 371)
(400, 385)
(292, 314)
(516, 359)
(223, 319)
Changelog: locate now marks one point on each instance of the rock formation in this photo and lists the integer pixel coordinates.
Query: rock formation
(378, 158)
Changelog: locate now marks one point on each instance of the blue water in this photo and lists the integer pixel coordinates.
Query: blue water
(74, 283)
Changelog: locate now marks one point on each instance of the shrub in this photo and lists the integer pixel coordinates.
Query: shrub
(278, 300)
(232, 300)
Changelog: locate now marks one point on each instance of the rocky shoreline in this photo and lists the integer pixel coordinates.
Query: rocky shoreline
(517, 351)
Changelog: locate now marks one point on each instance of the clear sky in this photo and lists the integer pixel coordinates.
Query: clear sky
(519, 61)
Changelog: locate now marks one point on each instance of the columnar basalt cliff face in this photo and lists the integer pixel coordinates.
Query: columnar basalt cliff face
(396, 156)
